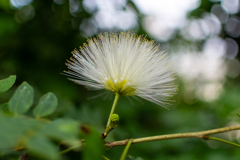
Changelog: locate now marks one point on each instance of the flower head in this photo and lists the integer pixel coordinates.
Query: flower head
(123, 63)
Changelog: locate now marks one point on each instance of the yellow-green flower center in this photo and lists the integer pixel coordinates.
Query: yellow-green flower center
(120, 86)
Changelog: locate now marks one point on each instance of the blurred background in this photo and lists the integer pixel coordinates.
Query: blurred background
(201, 37)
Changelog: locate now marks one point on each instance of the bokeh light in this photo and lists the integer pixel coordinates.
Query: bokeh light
(109, 15)
(232, 48)
(20, 3)
(233, 26)
(205, 62)
(230, 6)
(221, 14)
(233, 68)
(162, 18)
(200, 29)
(24, 14)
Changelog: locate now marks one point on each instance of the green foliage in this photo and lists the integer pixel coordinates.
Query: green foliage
(237, 115)
(22, 99)
(4, 4)
(43, 147)
(16, 131)
(5, 109)
(61, 129)
(37, 136)
(46, 106)
(93, 144)
(7, 83)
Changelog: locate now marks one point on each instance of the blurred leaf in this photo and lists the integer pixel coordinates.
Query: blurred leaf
(93, 145)
(5, 109)
(14, 130)
(43, 147)
(7, 83)
(7, 136)
(46, 106)
(129, 158)
(22, 99)
(62, 130)
(237, 115)
(4, 4)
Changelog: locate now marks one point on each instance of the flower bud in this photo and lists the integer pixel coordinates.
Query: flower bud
(114, 117)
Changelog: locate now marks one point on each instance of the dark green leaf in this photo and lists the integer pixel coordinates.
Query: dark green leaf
(43, 147)
(22, 99)
(7, 83)
(5, 109)
(237, 115)
(62, 130)
(93, 145)
(46, 106)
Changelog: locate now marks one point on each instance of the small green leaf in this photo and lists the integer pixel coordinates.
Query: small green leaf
(237, 115)
(7, 83)
(42, 147)
(22, 99)
(46, 106)
(5, 109)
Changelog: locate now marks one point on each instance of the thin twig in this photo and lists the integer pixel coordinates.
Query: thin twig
(201, 134)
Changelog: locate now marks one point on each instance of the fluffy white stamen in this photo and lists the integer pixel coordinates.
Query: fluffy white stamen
(126, 64)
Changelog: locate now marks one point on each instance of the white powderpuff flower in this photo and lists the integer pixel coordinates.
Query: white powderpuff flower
(126, 64)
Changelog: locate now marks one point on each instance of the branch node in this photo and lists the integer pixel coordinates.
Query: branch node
(205, 137)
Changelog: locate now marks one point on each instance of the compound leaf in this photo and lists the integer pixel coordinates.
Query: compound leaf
(6, 84)
(22, 99)
(46, 106)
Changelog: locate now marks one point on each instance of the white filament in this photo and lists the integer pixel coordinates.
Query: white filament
(118, 57)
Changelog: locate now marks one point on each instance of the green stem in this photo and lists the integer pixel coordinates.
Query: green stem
(224, 141)
(113, 109)
(105, 158)
(108, 128)
(125, 151)
(71, 148)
